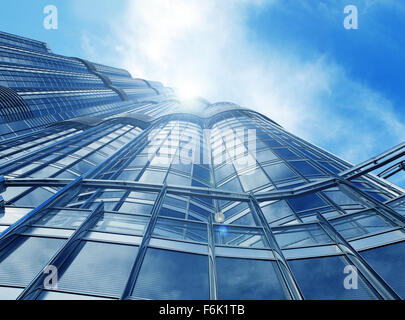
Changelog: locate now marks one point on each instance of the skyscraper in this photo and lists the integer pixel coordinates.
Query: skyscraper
(112, 188)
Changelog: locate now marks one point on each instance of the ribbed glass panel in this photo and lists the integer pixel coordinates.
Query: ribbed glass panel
(189, 181)
(243, 279)
(99, 268)
(169, 275)
(323, 278)
(388, 262)
(25, 258)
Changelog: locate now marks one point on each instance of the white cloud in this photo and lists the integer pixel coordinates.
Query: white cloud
(207, 45)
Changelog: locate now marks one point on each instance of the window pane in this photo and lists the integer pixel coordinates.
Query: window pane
(253, 180)
(388, 263)
(276, 210)
(7, 293)
(323, 279)
(239, 237)
(99, 268)
(304, 168)
(169, 275)
(310, 201)
(301, 236)
(243, 279)
(27, 257)
(180, 230)
(279, 172)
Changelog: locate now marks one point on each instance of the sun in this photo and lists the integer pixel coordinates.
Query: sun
(188, 91)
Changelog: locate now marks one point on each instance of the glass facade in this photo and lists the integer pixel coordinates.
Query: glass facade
(130, 193)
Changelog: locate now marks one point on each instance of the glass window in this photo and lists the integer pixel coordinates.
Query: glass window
(177, 180)
(136, 208)
(304, 168)
(276, 210)
(323, 279)
(329, 167)
(279, 172)
(8, 293)
(302, 203)
(239, 214)
(389, 263)
(99, 269)
(150, 176)
(69, 219)
(169, 275)
(224, 172)
(243, 279)
(339, 197)
(232, 185)
(239, 237)
(286, 153)
(360, 224)
(301, 236)
(173, 229)
(25, 257)
(120, 223)
(253, 180)
(34, 198)
(399, 206)
(166, 212)
(201, 172)
(272, 143)
(9, 215)
(265, 155)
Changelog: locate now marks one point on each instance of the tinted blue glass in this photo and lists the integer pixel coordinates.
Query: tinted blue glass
(306, 202)
(390, 265)
(223, 172)
(25, 258)
(175, 202)
(136, 208)
(378, 196)
(195, 183)
(99, 268)
(166, 212)
(201, 173)
(232, 185)
(323, 279)
(253, 180)
(265, 155)
(276, 210)
(169, 275)
(304, 168)
(301, 236)
(329, 167)
(34, 198)
(286, 153)
(243, 279)
(279, 172)
(173, 229)
(339, 197)
(48, 88)
(272, 143)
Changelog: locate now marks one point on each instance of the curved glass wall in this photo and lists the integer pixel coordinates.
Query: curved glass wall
(202, 198)
(144, 199)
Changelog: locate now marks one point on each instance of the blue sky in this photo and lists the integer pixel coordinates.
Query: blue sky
(292, 60)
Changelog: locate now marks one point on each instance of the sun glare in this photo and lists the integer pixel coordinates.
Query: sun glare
(188, 91)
